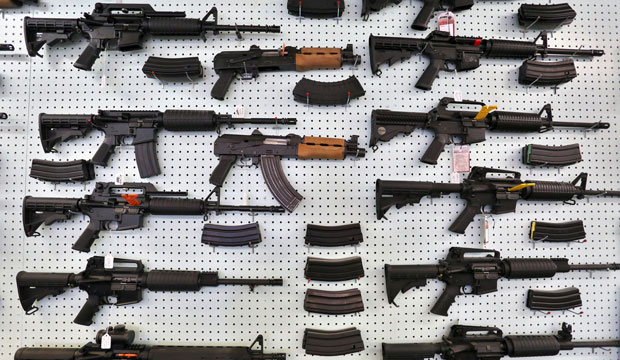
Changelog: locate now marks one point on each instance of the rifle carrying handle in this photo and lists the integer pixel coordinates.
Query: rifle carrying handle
(318, 58)
(447, 298)
(465, 218)
(425, 15)
(105, 150)
(218, 176)
(146, 159)
(435, 149)
(87, 238)
(220, 88)
(88, 57)
(430, 74)
(45, 353)
(321, 148)
(90, 308)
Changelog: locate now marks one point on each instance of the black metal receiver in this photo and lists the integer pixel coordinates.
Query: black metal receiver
(142, 126)
(489, 343)
(469, 126)
(484, 194)
(124, 280)
(424, 16)
(248, 64)
(268, 151)
(123, 27)
(122, 347)
(120, 207)
(463, 52)
(470, 271)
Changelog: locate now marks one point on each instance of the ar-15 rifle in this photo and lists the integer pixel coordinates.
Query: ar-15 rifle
(122, 347)
(481, 192)
(123, 27)
(121, 205)
(466, 272)
(463, 52)
(248, 64)
(125, 283)
(267, 151)
(141, 125)
(470, 126)
(427, 12)
(489, 343)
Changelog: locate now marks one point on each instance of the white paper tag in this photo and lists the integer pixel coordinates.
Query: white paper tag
(487, 233)
(108, 262)
(106, 342)
(239, 112)
(460, 159)
(455, 178)
(119, 179)
(458, 95)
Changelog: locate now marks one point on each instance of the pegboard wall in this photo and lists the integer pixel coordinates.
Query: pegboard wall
(336, 192)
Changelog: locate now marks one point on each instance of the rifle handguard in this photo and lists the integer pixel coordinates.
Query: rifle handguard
(171, 280)
(318, 58)
(176, 206)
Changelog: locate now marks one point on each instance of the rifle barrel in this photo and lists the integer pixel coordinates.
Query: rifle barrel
(602, 192)
(573, 52)
(589, 125)
(273, 120)
(248, 208)
(251, 282)
(595, 344)
(243, 28)
(595, 267)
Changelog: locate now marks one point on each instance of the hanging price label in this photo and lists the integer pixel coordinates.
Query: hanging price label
(447, 22)
(106, 342)
(460, 159)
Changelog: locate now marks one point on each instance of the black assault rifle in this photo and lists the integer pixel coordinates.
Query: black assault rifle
(470, 271)
(463, 52)
(470, 126)
(482, 192)
(122, 206)
(122, 27)
(489, 343)
(124, 280)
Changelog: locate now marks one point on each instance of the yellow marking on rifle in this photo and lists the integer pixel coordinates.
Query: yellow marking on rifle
(484, 112)
(532, 231)
(521, 186)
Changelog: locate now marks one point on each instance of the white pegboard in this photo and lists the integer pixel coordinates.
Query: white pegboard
(336, 192)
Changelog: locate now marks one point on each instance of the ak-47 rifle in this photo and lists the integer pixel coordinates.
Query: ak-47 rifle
(122, 205)
(482, 192)
(123, 27)
(463, 52)
(466, 272)
(248, 64)
(267, 151)
(124, 280)
(489, 343)
(469, 126)
(141, 125)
